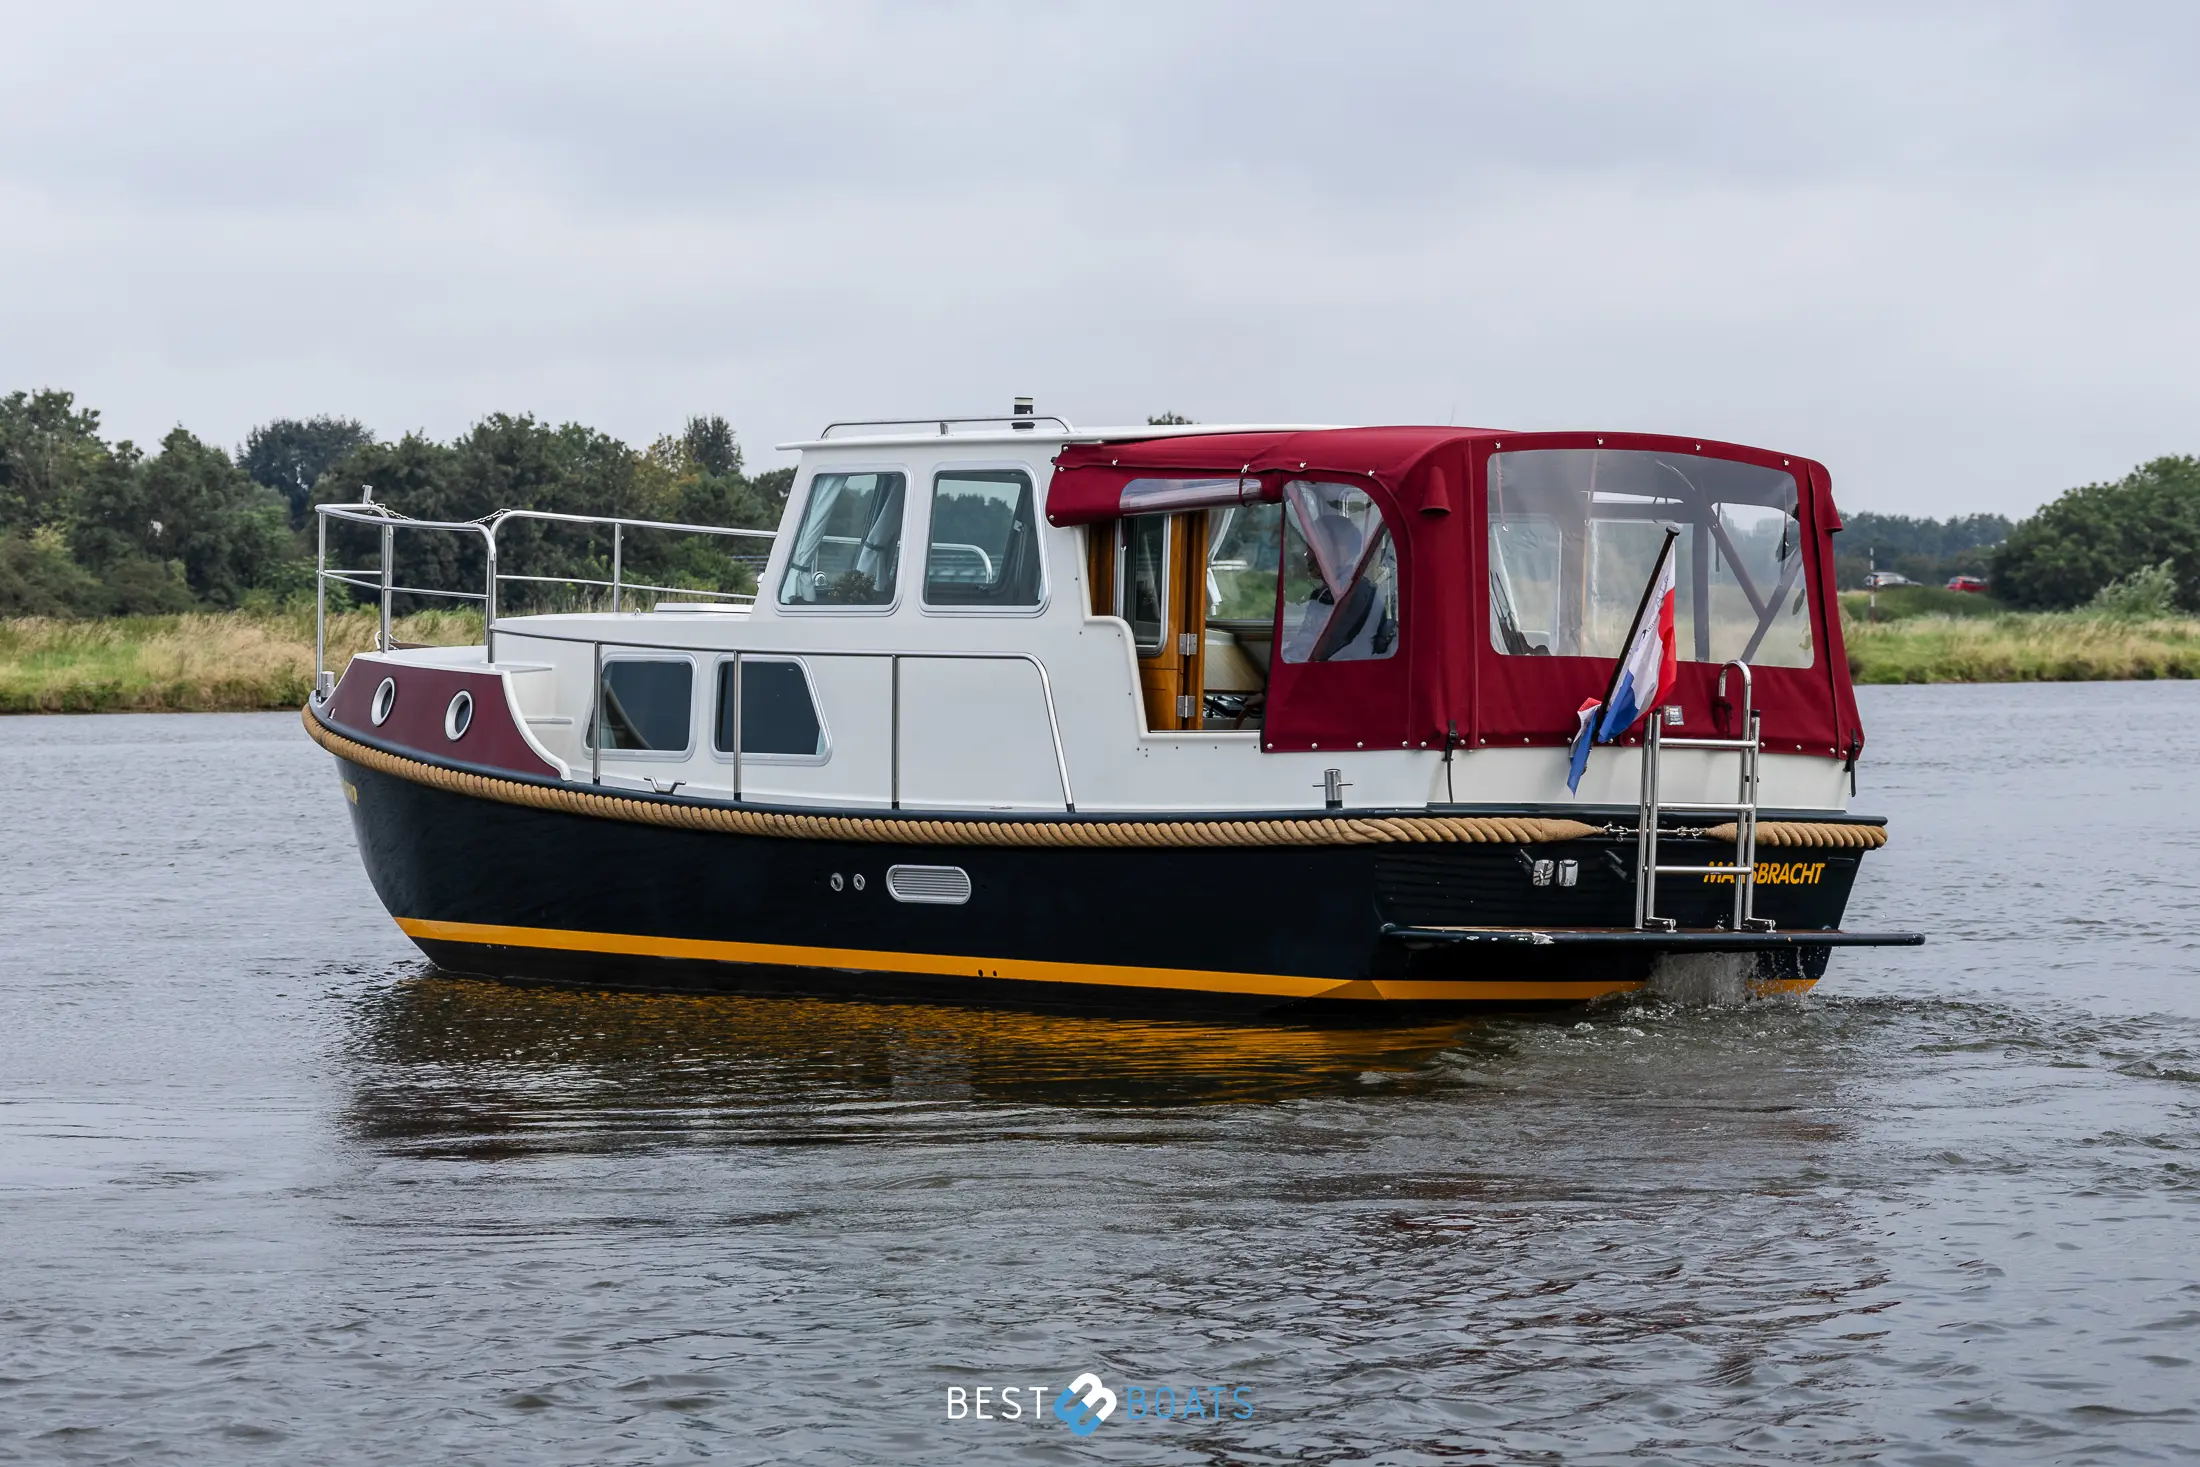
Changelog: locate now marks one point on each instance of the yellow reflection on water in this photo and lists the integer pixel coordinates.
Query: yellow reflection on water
(688, 1051)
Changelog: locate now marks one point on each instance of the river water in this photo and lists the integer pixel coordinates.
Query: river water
(270, 1191)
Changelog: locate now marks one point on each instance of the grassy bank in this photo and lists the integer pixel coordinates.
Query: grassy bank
(207, 663)
(1925, 635)
(2022, 647)
(196, 663)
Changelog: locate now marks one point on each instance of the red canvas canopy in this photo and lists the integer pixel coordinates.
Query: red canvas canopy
(1446, 677)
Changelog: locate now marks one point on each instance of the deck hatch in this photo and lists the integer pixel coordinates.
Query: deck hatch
(942, 886)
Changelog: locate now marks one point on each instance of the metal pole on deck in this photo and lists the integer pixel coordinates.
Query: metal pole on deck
(1744, 869)
(618, 545)
(489, 601)
(389, 542)
(735, 700)
(320, 605)
(595, 720)
(1646, 824)
(1745, 852)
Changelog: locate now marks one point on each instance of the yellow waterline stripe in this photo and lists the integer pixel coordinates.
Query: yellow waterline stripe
(1030, 970)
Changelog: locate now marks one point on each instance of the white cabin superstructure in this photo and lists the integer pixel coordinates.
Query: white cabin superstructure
(985, 693)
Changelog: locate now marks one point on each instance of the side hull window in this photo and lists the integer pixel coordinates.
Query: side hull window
(848, 550)
(646, 706)
(983, 550)
(778, 711)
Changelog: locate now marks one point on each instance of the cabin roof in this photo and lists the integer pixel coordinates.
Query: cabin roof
(1384, 453)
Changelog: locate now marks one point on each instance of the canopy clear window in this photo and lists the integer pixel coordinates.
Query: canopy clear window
(1243, 546)
(1340, 576)
(848, 550)
(1574, 536)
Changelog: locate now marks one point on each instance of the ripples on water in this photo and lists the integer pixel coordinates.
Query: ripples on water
(270, 1191)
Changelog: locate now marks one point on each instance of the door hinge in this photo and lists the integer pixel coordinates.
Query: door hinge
(1187, 643)
(1186, 705)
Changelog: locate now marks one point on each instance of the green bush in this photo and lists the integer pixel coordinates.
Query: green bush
(2149, 591)
(2063, 556)
(37, 578)
(187, 504)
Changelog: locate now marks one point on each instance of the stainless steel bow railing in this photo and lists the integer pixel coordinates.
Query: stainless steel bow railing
(381, 580)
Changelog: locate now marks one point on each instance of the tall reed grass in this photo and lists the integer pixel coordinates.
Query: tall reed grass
(2022, 647)
(196, 663)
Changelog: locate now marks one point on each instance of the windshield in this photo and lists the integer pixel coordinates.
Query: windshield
(1575, 533)
(849, 547)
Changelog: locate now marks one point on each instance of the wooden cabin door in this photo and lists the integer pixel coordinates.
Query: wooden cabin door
(1153, 573)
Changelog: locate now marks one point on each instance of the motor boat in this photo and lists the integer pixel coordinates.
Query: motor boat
(1263, 719)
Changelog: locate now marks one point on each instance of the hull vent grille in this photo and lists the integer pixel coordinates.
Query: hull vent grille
(945, 886)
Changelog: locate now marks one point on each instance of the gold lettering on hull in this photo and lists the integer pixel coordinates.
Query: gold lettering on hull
(1773, 873)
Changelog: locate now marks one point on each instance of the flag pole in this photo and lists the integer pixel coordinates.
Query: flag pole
(1657, 570)
(1592, 714)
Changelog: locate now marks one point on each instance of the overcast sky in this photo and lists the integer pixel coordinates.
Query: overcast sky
(1953, 252)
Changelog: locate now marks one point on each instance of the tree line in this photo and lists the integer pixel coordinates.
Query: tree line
(1928, 551)
(90, 527)
(2129, 541)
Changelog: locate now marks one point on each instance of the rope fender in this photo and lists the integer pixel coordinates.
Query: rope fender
(1097, 834)
(1821, 833)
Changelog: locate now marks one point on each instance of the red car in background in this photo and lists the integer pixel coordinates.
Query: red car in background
(1967, 583)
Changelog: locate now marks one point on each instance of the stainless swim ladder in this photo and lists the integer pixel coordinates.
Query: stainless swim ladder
(1748, 749)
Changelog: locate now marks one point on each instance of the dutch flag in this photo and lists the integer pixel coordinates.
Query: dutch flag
(1644, 672)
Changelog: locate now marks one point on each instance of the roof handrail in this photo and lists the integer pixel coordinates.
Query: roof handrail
(1017, 422)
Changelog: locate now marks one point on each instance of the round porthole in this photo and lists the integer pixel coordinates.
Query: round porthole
(385, 698)
(457, 716)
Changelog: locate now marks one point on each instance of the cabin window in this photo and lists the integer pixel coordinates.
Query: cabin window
(1574, 535)
(1339, 576)
(1142, 579)
(778, 712)
(848, 550)
(646, 705)
(1242, 548)
(984, 549)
